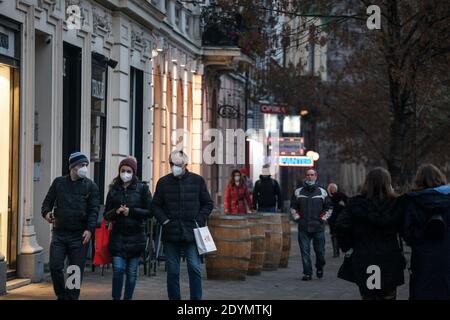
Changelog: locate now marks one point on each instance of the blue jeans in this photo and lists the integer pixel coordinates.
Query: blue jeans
(268, 209)
(304, 241)
(172, 253)
(121, 267)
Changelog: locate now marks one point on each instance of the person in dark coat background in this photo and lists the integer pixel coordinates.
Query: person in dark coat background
(427, 232)
(339, 201)
(267, 193)
(369, 228)
(180, 203)
(127, 206)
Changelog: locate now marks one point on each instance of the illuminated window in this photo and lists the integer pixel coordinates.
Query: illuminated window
(291, 124)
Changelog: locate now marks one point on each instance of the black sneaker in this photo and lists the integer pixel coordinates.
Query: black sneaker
(319, 274)
(306, 277)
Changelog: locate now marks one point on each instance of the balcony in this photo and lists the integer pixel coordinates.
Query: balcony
(220, 40)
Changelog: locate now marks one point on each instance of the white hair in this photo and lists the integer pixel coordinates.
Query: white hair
(332, 185)
(178, 158)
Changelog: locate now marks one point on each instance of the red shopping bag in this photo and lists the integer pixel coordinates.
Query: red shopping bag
(102, 255)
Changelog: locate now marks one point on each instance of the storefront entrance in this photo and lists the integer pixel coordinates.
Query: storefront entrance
(9, 145)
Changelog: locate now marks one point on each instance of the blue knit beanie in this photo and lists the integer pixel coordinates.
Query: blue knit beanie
(77, 158)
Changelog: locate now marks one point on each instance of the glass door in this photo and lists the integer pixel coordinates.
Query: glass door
(99, 86)
(9, 145)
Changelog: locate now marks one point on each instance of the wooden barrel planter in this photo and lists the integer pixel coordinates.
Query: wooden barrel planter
(274, 241)
(231, 235)
(286, 247)
(258, 236)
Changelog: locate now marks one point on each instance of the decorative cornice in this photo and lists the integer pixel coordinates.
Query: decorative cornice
(102, 22)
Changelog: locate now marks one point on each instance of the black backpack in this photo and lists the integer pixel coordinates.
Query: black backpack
(435, 226)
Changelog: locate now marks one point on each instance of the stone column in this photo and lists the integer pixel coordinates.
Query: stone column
(29, 260)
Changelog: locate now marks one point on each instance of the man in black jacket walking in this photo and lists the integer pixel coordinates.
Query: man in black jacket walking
(180, 203)
(267, 193)
(72, 205)
(310, 208)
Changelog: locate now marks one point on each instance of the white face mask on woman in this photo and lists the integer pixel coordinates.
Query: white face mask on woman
(237, 179)
(126, 177)
(82, 172)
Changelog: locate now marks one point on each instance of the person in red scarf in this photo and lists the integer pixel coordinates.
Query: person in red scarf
(237, 198)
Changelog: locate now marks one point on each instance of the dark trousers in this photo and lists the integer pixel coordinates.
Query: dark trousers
(66, 245)
(304, 241)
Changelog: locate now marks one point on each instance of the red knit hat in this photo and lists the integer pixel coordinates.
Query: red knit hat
(244, 171)
(130, 162)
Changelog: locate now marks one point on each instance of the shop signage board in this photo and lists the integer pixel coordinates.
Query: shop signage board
(7, 42)
(273, 108)
(295, 161)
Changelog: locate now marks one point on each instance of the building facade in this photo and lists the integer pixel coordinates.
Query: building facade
(107, 78)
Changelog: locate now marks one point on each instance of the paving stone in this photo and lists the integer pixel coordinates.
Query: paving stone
(283, 284)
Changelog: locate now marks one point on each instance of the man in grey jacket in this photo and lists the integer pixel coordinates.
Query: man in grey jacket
(310, 208)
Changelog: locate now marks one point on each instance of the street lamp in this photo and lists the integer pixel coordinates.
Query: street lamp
(304, 113)
(313, 155)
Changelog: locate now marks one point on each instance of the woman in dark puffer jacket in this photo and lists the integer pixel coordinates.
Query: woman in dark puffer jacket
(427, 232)
(368, 229)
(127, 206)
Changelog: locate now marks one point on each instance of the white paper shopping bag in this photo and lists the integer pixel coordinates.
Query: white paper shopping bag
(204, 240)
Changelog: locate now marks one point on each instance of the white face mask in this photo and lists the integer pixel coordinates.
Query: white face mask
(82, 172)
(237, 179)
(126, 177)
(177, 171)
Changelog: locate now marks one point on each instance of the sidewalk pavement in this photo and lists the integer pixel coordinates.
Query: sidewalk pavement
(283, 284)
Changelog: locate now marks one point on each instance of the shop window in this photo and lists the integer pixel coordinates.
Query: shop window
(178, 17)
(98, 112)
(136, 126)
(188, 25)
(98, 119)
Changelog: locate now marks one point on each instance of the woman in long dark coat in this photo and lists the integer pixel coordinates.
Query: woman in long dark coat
(369, 229)
(426, 230)
(339, 201)
(127, 206)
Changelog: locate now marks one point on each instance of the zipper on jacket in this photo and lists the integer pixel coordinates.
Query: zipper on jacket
(179, 209)
(126, 202)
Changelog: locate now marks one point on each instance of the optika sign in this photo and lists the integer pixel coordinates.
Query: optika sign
(273, 108)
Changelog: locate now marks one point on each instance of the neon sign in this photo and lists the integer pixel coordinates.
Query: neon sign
(299, 161)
